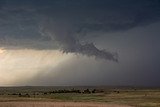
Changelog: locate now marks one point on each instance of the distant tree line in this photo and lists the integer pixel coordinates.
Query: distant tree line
(85, 91)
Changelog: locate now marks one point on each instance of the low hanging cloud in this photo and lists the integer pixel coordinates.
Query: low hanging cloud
(68, 42)
(62, 24)
(89, 49)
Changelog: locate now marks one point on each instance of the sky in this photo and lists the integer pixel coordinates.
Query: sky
(79, 42)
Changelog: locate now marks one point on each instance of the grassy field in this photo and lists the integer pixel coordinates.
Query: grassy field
(138, 97)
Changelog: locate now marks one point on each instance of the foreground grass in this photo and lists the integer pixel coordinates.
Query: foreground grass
(137, 98)
(57, 104)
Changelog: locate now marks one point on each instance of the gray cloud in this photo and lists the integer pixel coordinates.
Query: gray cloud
(91, 50)
(87, 27)
(66, 38)
(66, 23)
(139, 59)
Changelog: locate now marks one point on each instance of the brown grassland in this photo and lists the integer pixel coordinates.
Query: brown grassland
(57, 104)
(61, 97)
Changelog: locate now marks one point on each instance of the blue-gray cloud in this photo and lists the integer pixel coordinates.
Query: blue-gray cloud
(66, 22)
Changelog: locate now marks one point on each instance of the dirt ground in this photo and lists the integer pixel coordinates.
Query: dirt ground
(57, 104)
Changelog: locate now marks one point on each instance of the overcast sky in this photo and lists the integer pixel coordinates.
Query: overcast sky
(80, 42)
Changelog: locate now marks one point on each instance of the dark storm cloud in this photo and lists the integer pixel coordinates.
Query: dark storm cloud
(66, 22)
(66, 37)
(138, 48)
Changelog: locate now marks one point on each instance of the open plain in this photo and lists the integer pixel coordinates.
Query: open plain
(79, 97)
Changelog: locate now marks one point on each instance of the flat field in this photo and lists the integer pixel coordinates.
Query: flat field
(58, 104)
(79, 97)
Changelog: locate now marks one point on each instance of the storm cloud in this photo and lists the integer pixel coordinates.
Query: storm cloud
(56, 42)
(64, 24)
